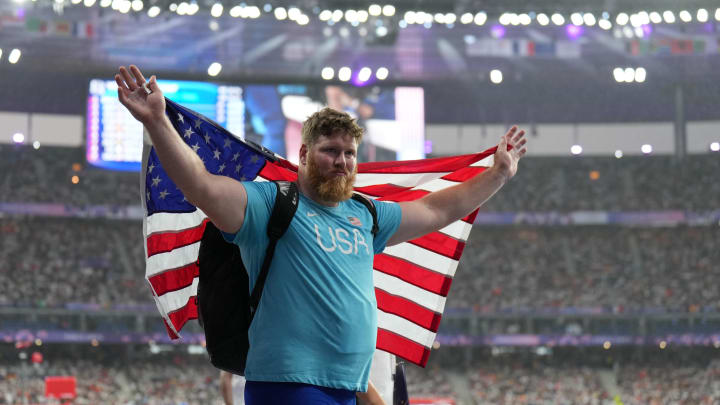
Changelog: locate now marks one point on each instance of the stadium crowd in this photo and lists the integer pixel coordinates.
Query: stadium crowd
(542, 184)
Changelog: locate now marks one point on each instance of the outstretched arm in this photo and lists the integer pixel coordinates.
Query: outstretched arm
(226, 387)
(371, 397)
(221, 198)
(441, 208)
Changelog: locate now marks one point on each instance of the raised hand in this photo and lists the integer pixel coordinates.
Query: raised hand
(509, 152)
(145, 101)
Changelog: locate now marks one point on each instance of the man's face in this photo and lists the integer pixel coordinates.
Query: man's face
(332, 166)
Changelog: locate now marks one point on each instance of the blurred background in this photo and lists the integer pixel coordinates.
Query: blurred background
(591, 278)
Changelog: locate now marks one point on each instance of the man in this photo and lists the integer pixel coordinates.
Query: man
(313, 335)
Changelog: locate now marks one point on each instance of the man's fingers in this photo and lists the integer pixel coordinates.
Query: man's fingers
(523, 151)
(152, 84)
(140, 80)
(121, 84)
(518, 136)
(128, 79)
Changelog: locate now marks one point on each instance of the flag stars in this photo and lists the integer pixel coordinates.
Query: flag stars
(188, 133)
(207, 138)
(236, 156)
(216, 154)
(221, 168)
(197, 123)
(151, 167)
(254, 159)
(238, 168)
(156, 180)
(195, 148)
(163, 194)
(227, 143)
(180, 118)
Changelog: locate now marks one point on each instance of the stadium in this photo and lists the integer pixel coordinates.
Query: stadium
(590, 278)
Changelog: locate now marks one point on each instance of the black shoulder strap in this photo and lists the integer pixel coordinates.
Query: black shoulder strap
(286, 203)
(371, 207)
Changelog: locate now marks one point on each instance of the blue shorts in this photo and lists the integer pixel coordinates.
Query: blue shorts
(283, 393)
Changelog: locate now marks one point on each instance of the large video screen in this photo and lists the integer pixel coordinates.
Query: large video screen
(270, 115)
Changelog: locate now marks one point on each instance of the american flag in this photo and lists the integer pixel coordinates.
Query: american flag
(412, 279)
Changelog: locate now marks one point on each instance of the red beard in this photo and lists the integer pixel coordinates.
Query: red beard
(332, 189)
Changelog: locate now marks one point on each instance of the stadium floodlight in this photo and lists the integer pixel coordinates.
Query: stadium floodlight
(18, 137)
(702, 15)
(466, 18)
(137, 5)
(36, 145)
(450, 18)
(685, 16)
(618, 154)
(558, 19)
(327, 73)
(639, 32)
(235, 11)
(640, 75)
(715, 146)
(504, 19)
(410, 17)
(337, 15)
(125, 7)
(589, 19)
(294, 13)
(351, 16)
(480, 18)
(388, 10)
(717, 14)
(543, 19)
(635, 20)
(655, 17)
(646, 149)
(14, 56)
(382, 73)
(669, 17)
(629, 75)
(107, 3)
(71, 1)
(194, 8)
(375, 10)
(0, 53)
(362, 16)
(605, 24)
(619, 74)
(644, 17)
(622, 19)
(576, 149)
(496, 76)
(439, 18)
(281, 14)
(214, 69)
(381, 31)
(576, 19)
(344, 73)
(89, 3)
(216, 10)
(628, 32)
(524, 19)
(303, 19)
(364, 74)
(153, 11)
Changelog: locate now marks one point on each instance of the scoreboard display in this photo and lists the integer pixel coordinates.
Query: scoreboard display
(115, 139)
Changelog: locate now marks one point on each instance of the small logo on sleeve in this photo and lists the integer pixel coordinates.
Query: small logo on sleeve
(355, 221)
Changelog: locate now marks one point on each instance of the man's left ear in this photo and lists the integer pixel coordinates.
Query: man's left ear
(303, 154)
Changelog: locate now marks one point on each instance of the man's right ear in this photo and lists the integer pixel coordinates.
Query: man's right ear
(303, 154)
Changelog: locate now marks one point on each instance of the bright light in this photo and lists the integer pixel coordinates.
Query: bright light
(214, 69)
(607, 345)
(663, 345)
(629, 75)
(253, 12)
(375, 10)
(0, 52)
(466, 18)
(137, 5)
(351, 16)
(382, 73)
(18, 137)
(496, 76)
(327, 73)
(214, 26)
(635, 20)
(450, 18)
(605, 24)
(685, 16)
(107, 3)
(439, 18)
(216, 10)
(619, 74)
(281, 14)
(646, 149)
(89, 3)
(644, 18)
(505, 19)
(702, 15)
(618, 154)
(640, 75)
(125, 7)
(628, 32)
(362, 16)
(410, 17)
(75, 179)
(14, 56)
(337, 15)
(294, 13)
(655, 17)
(364, 74)
(181, 10)
(622, 19)
(480, 18)
(154, 11)
(524, 19)
(639, 32)
(543, 19)
(669, 17)
(303, 19)
(514, 19)
(236, 11)
(381, 31)
(36, 145)
(344, 73)
(717, 14)
(388, 10)
(576, 149)
(589, 19)
(558, 19)
(172, 7)
(715, 146)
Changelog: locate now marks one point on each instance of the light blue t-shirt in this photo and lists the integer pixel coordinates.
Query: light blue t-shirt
(317, 319)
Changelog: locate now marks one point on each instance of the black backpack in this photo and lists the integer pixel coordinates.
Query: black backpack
(225, 309)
